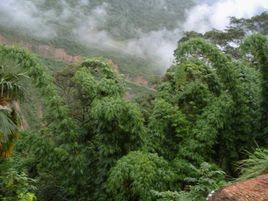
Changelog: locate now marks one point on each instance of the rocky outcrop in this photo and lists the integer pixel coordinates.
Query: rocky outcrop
(250, 190)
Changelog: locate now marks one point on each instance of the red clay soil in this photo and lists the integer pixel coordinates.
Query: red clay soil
(250, 190)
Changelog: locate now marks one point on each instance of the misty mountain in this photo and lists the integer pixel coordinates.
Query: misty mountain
(123, 19)
(138, 35)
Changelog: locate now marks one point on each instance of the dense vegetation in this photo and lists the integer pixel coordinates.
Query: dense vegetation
(188, 138)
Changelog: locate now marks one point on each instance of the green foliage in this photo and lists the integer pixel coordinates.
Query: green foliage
(93, 144)
(7, 125)
(110, 128)
(135, 175)
(257, 23)
(15, 185)
(168, 127)
(171, 196)
(232, 37)
(10, 83)
(204, 133)
(115, 125)
(207, 179)
(219, 96)
(43, 81)
(11, 89)
(255, 165)
(60, 127)
(257, 46)
(8, 132)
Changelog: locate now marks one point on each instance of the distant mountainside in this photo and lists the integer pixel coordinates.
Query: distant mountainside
(128, 32)
(122, 18)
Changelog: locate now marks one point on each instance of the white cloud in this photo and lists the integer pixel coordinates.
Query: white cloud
(204, 17)
(156, 45)
(21, 14)
(89, 27)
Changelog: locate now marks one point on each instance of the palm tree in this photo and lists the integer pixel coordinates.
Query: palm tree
(11, 90)
(8, 132)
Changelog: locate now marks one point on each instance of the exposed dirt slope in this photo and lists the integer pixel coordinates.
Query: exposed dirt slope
(45, 51)
(60, 54)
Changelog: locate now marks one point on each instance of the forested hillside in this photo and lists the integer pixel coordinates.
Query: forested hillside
(74, 134)
(115, 29)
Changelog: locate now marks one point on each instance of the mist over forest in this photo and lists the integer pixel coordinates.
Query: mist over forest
(148, 29)
(133, 100)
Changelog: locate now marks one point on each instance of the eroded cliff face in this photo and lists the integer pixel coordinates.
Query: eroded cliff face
(45, 51)
(60, 54)
(250, 190)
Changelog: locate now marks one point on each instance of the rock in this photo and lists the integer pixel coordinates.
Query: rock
(250, 190)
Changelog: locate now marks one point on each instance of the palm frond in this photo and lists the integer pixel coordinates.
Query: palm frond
(11, 81)
(8, 133)
(7, 126)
